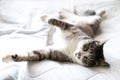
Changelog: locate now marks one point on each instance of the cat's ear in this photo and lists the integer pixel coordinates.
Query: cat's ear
(102, 63)
(100, 55)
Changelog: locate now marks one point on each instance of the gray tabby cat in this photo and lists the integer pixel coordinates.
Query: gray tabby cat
(70, 39)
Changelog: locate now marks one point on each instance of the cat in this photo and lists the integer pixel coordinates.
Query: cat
(71, 40)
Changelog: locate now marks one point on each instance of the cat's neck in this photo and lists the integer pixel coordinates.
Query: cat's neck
(72, 44)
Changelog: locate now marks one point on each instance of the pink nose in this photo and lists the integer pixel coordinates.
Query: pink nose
(78, 55)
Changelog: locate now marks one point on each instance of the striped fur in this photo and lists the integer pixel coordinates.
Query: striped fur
(77, 43)
(38, 55)
(63, 25)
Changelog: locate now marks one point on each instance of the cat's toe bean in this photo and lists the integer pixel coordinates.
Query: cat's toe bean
(14, 56)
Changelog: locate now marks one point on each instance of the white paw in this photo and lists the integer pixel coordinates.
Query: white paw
(101, 12)
(7, 58)
(44, 18)
(94, 20)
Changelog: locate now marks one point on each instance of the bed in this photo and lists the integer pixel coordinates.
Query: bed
(21, 30)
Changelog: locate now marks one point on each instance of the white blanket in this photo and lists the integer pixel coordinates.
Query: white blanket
(21, 30)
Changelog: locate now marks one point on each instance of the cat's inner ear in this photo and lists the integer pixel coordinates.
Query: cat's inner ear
(100, 55)
(100, 44)
(102, 63)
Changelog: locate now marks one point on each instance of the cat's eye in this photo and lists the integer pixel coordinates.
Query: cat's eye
(86, 47)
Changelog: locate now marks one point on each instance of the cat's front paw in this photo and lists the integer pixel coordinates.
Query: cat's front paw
(9, 58)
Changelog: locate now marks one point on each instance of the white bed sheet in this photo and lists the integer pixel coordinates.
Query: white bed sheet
(21, 30)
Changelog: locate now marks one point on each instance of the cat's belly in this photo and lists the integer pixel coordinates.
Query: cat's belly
(66, 46)
(59, 42)
(71, 47)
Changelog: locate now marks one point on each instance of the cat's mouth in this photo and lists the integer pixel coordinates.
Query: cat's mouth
(87, 61)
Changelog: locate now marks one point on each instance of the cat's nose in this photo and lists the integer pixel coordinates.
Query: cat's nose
(78, 54)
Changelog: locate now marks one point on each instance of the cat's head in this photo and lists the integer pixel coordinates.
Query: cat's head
(90, 53)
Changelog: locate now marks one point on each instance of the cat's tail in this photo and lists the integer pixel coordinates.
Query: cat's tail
(63, 25)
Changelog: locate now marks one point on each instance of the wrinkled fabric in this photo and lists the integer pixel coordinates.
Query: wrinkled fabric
(21, 30)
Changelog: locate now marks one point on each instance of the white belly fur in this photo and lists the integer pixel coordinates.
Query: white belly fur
(60, 43)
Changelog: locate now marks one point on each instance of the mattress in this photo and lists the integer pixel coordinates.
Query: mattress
(21, 30)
